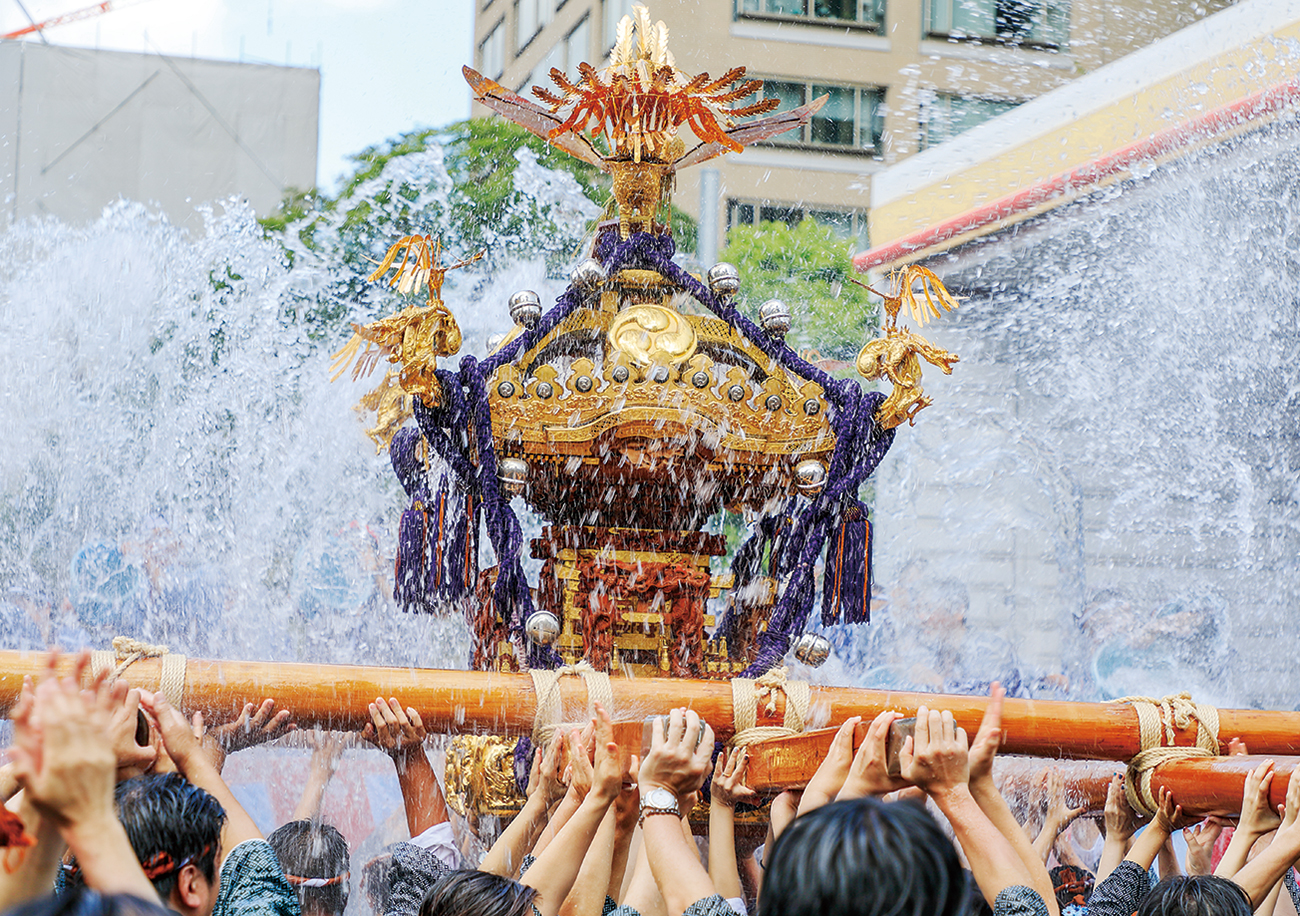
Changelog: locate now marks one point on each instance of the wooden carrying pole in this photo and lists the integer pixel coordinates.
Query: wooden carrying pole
(337, 696)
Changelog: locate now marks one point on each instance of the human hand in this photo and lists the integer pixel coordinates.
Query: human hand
(1169, 816)
(326, 750)
(607, 769)
(783, 810)
(1200, 845)
(868, 773)
(133, 758)
(832, 771)
(394, 731)
(546, 776)
(936, 757)
(180, 739)
(987, 740)
(1237, 748)
(627, 807)
(63, 756)
(580, 772)
(728, 786)
(678, 761)
(1257, 814)
(253, 727)
(1059, 814)
(1121, 820)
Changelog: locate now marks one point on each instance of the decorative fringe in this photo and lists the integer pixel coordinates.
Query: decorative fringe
(846, 587)
(409, 588)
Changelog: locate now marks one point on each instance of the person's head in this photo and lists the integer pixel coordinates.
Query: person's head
(863, 857)
(175, 829)
(1195, 895)
(1071, 885)
(374, 881)
(478, 893)
(315, 861)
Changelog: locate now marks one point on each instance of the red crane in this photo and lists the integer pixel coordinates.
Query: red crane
(103, 6)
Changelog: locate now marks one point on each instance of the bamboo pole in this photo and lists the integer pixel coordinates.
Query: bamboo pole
(337, 696)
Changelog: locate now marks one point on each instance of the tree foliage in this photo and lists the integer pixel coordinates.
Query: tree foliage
(808, 268)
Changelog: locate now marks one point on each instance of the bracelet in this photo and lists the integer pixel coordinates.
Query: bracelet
(646, 812)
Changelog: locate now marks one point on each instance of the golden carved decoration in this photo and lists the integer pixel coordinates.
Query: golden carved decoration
(416, 336)
(653, 334)
(392, 408)
(894, 356)
(480, 775)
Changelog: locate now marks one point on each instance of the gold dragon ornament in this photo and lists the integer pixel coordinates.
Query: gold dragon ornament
(895, 356)
(638, 105)
(413, 339)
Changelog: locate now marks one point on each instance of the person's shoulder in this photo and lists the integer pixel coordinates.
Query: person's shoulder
(1019, 901)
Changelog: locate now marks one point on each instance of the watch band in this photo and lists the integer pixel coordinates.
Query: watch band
(648, 810)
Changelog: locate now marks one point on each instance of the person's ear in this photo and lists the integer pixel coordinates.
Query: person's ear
(190, 894)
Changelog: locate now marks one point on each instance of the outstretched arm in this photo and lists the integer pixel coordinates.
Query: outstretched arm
(400, 734)
(195, 765)
(994, 806)
(727, 788)
(936, 759)
(1266, 869)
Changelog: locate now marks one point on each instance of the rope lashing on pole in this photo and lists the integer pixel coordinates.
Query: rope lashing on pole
(1159, 720)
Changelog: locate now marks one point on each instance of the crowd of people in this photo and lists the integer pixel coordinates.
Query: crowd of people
(115, 805)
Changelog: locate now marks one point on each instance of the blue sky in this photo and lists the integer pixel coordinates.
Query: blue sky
(386, 65)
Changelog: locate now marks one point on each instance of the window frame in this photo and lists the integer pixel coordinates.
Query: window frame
(997, 39)
(926, 104)
(482, 45)
(806, 143)
(739, 13)
(858, 216)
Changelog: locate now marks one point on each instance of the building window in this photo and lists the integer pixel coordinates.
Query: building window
(615, 10)
(492, 52)
(845, 223)
(865, 13)
(531, 16)
(1035, 23)
(945, 116)
(565, 56)
(852, 120)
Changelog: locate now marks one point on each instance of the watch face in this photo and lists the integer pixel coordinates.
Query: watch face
(661, 798)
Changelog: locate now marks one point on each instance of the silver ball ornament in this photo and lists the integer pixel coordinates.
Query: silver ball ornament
(812, 649)
(724, 279)
(774, 316)
(542, 627)
(526, 308)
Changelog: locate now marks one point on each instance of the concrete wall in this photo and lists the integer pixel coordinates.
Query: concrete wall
(82, 128)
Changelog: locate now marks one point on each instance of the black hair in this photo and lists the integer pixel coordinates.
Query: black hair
(1196, 895)
(374, 881)
(477, 893)
(310, 853)
(864, 857)
(171, 823)
(83, 902)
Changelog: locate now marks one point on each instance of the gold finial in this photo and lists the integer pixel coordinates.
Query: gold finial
(894, 356)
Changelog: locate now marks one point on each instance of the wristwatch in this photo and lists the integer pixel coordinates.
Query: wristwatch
(658, 801)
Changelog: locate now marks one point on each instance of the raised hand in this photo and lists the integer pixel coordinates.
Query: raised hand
(868, 773)
(989, 737)
(1257, 815)
(832, 771)
(728, 786)
(1121, 820)
(580, 774)
(394, 730)
(936, 757)
(133, 759)
(607, 769)
(1200, 845)
(678, 761)
(254, 727)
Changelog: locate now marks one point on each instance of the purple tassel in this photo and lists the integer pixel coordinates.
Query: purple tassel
(409, 574)
(846, 585)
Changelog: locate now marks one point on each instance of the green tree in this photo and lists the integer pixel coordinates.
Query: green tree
(809, 269)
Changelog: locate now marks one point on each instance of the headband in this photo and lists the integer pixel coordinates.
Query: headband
(298, 881)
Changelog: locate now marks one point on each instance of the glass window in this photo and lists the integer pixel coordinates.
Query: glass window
(775, 213)
(492, 52)
(852, 118)
(531, 16)
(614, 11)
(846, 224)
(1037, 22)
(577, 47)
(946, 116)
(836, 123)
(832, 12)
